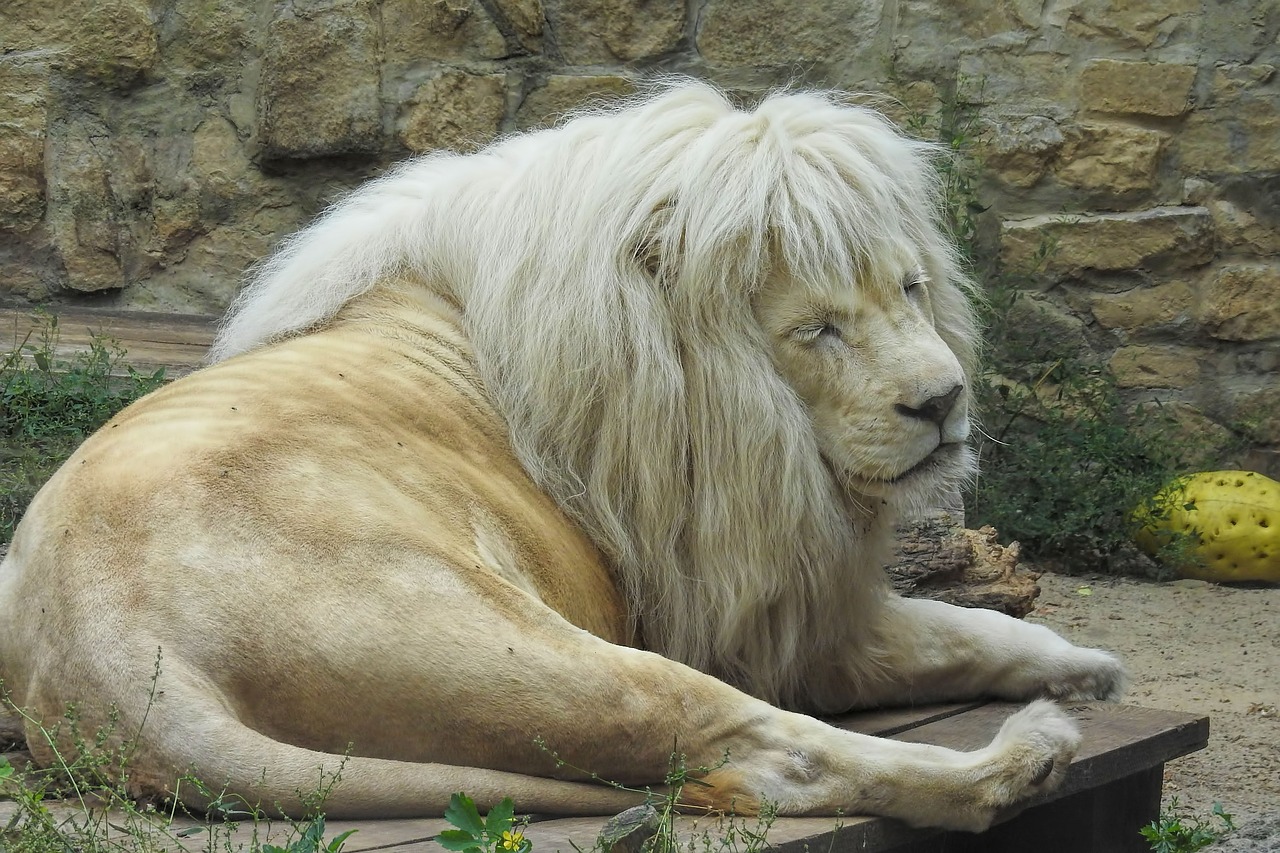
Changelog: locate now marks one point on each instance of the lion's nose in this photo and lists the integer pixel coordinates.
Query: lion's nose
(934, 409)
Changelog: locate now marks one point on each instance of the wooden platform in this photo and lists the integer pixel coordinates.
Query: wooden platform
(1112, 790)
(176, 342)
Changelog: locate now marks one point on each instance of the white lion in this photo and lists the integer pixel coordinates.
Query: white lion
(595, 437)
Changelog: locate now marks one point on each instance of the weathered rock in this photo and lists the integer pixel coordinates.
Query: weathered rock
(106, 41)
(1020, 150)
(457, 111)
(1136, 88)
(1238, 131)
(560, 94)
(1113, 158)
(1017, 83)
(83, 210)
(207, 36)
(913, 106)
(417, 31)
(968, 568)
(318, 94)
(1242, 303)
(1043, 331)
(784, 32)
(592, 32)
(1163, 237)
(1239, 228)
(23, 124)
(526, 20)
(1258, 413)
(630, 831)
(1156, 366)
(1134, 23)
(1144, 307)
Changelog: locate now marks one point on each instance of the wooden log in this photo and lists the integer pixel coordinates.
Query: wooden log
(943, 561)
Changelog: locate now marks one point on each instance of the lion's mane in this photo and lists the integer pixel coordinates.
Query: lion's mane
(605, 270)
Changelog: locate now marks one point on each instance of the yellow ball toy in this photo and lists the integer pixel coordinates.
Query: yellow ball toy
(1232, 519)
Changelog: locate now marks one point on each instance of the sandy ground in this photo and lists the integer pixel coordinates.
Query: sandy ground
(1201, 648)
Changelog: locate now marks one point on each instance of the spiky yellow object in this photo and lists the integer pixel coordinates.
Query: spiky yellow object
(1231, 520)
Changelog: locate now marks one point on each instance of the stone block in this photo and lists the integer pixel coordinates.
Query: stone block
(207, 35)
(23, 125)
(1132, 23)
(1242, 302)
(416, 31)
(84, 213)
(1016, 83)
(318, 93)
(599, 32)
(1020, 150)
(1241, 228)
(561, 94)
(763, 33)
(457, 111)
(107, 41)
(1238, 130)
(1159, 238)
(1112, 158)
(526, 20)
(1258, 413)
(1156, 366)
(1144, 307)
(1200, 440)
(1136, 88)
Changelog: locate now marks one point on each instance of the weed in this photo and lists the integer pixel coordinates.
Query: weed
(48, 405)
(1178, 832)
(82, 802)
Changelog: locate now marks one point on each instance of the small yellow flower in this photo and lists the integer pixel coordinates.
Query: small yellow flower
(511, 840)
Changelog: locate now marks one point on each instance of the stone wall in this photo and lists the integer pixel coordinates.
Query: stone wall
(151, 149)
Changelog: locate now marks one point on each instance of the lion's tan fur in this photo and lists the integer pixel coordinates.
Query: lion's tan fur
(533, 444)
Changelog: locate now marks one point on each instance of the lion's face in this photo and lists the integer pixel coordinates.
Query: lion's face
(886, 394)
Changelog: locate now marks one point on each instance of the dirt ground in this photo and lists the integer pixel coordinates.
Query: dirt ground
(1201, 648)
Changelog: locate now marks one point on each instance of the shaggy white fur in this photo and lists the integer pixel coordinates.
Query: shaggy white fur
(606, 270)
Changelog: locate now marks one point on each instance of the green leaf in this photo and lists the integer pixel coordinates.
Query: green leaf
(458, 839)
(192, 830)
(462, 814)
(335, 846)
(309, 841)
(42, 361)
(499, 818)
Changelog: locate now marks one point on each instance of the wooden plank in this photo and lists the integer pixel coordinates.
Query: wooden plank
(1118, 739)
(1100, 820)
(884, 722)
(1111, 790)
(177, 342)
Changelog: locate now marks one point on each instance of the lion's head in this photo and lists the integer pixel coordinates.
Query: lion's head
(727, 342)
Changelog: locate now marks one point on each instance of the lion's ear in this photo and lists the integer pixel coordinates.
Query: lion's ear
(648, 256)
(657, 249)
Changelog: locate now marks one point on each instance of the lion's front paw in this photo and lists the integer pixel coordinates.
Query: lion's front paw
(1028, 757)
(1087, 674)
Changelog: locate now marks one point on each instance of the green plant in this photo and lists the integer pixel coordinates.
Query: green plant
(498, 831)
(1065, 464)
(48, 405)
(1178, 832)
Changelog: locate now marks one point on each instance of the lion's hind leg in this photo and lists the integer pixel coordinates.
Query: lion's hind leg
(223, 764)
